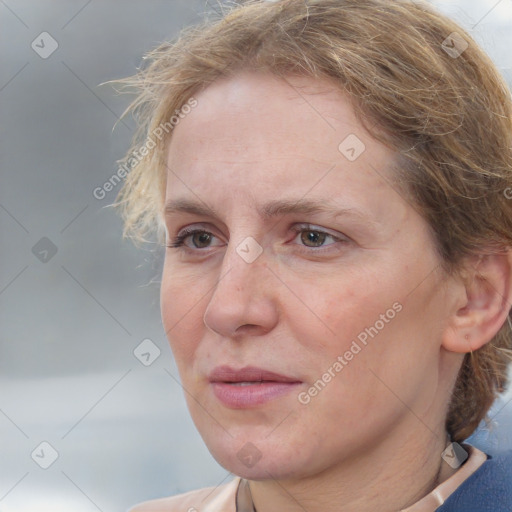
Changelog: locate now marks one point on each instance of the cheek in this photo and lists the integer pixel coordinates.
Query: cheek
(181, 311)
(387, 338)
(366, 318)
(338, 309)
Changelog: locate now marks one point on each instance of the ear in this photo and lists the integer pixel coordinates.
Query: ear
(486, 299)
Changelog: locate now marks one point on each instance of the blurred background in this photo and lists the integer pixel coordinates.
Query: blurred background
(92, 415)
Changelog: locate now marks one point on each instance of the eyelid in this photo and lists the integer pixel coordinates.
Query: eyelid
(339, 238)
(301, 226)
(305, 226)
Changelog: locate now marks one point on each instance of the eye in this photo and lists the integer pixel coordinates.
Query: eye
(312, 237)
(200, 239)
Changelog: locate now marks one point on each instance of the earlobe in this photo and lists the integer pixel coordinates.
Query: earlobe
(487, 303)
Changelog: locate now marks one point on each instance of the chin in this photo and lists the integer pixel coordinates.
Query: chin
(258, 460)
(262, 470)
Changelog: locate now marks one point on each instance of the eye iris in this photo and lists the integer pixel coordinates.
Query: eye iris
(203, 238)
(314, 237)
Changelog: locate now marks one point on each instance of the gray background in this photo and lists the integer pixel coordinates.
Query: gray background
(69, 325)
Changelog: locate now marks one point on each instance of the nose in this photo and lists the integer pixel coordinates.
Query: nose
(244, 300)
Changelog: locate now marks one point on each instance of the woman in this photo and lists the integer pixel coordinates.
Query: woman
(329, 178)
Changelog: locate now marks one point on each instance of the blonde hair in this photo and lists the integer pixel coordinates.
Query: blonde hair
(417, 88)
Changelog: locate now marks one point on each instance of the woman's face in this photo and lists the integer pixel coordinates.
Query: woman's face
(306, 316)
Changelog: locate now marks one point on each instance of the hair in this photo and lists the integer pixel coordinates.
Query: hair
(447, 114)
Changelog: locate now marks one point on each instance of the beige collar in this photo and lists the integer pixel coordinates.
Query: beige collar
(440, 494)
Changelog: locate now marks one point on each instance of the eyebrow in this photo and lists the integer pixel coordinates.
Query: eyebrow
(268, 211)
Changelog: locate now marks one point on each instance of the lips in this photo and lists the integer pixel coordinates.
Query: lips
(247, 374)
(249, 386)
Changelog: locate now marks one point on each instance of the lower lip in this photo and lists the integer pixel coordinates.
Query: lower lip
(239, 397)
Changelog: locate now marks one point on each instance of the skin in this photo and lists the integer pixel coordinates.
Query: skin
(371, 439)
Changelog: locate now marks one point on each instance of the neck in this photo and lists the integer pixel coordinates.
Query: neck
(364, 483)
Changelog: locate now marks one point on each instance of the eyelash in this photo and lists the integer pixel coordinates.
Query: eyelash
(178, 241)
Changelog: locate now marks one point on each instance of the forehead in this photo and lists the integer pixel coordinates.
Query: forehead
(267, 90)
(256, 115)
(289, 108)
(259, 136)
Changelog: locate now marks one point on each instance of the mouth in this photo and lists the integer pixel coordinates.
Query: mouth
(249, 386)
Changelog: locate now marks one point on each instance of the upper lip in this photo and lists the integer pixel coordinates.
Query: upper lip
(246, 374)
